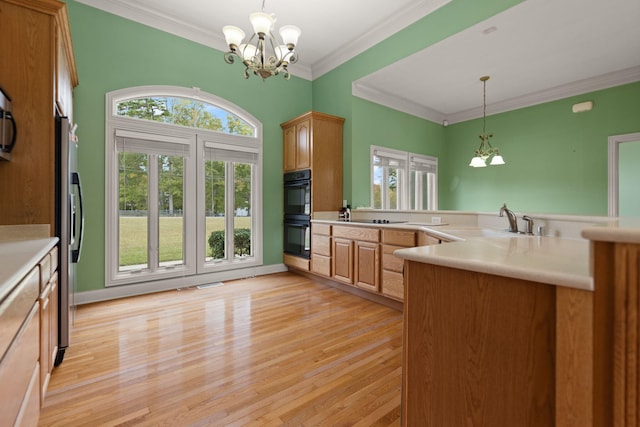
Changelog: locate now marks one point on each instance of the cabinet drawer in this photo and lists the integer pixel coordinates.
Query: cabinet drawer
(296, 262)
(399, 237)
(390, 261)
(393, 284)
(17, 367)
(425, 239)
(16, 306)
(321, 265)
(357, 233)
(324, 229)
(30, 411)
(321, 245)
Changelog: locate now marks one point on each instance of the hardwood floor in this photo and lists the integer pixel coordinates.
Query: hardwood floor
(268, 351)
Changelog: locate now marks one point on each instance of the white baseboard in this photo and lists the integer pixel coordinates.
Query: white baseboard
(122, 291)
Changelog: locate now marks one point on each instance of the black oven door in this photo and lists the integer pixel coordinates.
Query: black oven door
(297, 237)
(297, 193)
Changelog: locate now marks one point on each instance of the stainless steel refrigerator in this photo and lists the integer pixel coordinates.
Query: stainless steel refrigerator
(69, 228)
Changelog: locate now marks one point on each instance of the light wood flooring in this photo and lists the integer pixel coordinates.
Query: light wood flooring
(276, 350)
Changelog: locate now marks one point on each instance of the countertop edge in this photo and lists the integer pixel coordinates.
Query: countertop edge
(554, 278)
(28, 254)
(611, 234)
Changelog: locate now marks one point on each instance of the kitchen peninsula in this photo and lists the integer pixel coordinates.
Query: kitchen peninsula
(523, 330)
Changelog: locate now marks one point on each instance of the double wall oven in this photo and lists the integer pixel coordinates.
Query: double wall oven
(297, 213)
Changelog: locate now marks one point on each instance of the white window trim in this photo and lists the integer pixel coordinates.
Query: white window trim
(403, 178)
(194, 231)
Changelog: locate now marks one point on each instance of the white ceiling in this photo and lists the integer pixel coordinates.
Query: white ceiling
(536, 51)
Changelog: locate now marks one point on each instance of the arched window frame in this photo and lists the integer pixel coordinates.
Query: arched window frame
(195, 266)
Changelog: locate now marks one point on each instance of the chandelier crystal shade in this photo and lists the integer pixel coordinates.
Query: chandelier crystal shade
(486, 150)
(262, 55)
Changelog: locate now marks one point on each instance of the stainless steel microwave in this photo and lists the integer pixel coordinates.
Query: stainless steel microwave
(7, 127)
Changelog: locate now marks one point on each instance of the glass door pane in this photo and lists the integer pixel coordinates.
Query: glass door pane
(170, 213)
(242, 213)
(215, 209)
(133, 206)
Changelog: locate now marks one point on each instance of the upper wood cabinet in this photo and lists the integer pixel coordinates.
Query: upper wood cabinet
(65, 72)
(38, 73)
(314, 141)
(297, 146)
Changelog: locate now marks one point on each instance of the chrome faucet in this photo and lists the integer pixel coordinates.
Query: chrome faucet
(529, 222)
(513, 220)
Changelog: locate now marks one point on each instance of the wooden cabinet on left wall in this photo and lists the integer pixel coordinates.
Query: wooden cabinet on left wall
(38, 74)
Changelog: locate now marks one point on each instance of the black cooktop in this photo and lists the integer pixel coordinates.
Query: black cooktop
(376, 221)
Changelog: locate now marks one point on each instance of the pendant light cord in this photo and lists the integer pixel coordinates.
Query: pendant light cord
(484, 106)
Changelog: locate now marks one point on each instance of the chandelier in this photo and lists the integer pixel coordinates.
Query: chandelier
(262, 55)
(485, 150)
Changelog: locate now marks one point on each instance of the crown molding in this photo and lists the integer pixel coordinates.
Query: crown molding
(215, 40)
(158, 21)
(379, 32)
(604, 81)
(395, 102)
(142, 15)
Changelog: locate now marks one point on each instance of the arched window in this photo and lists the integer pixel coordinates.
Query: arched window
(183, 173)
(181, 111)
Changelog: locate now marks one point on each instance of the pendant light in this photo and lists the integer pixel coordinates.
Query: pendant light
(486, 150)
(262, 55)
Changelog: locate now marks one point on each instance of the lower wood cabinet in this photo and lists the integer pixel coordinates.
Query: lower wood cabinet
(392, 279)
(356, 256)
(29, 339)
(342, 260)
(48, 318)
(321, 249)
(367, 266)
(392, 266)
(19, 370)
(363, 256)
(492, 365)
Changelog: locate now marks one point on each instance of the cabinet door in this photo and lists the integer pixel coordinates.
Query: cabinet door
(343, 260)
(303, 145)
(367, 266)
(289, 149)
(321, 264)
(393, 284)
(64, 85)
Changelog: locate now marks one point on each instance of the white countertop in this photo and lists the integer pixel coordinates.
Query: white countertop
(551, 260)
(18, 258)
(623, 230)
(545, 259)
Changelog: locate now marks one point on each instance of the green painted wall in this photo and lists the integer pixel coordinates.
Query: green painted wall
(374, 124)
(556, 159)
(114, 53)
(332, 91)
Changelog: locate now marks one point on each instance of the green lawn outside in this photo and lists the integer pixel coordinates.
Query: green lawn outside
(133, 237)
